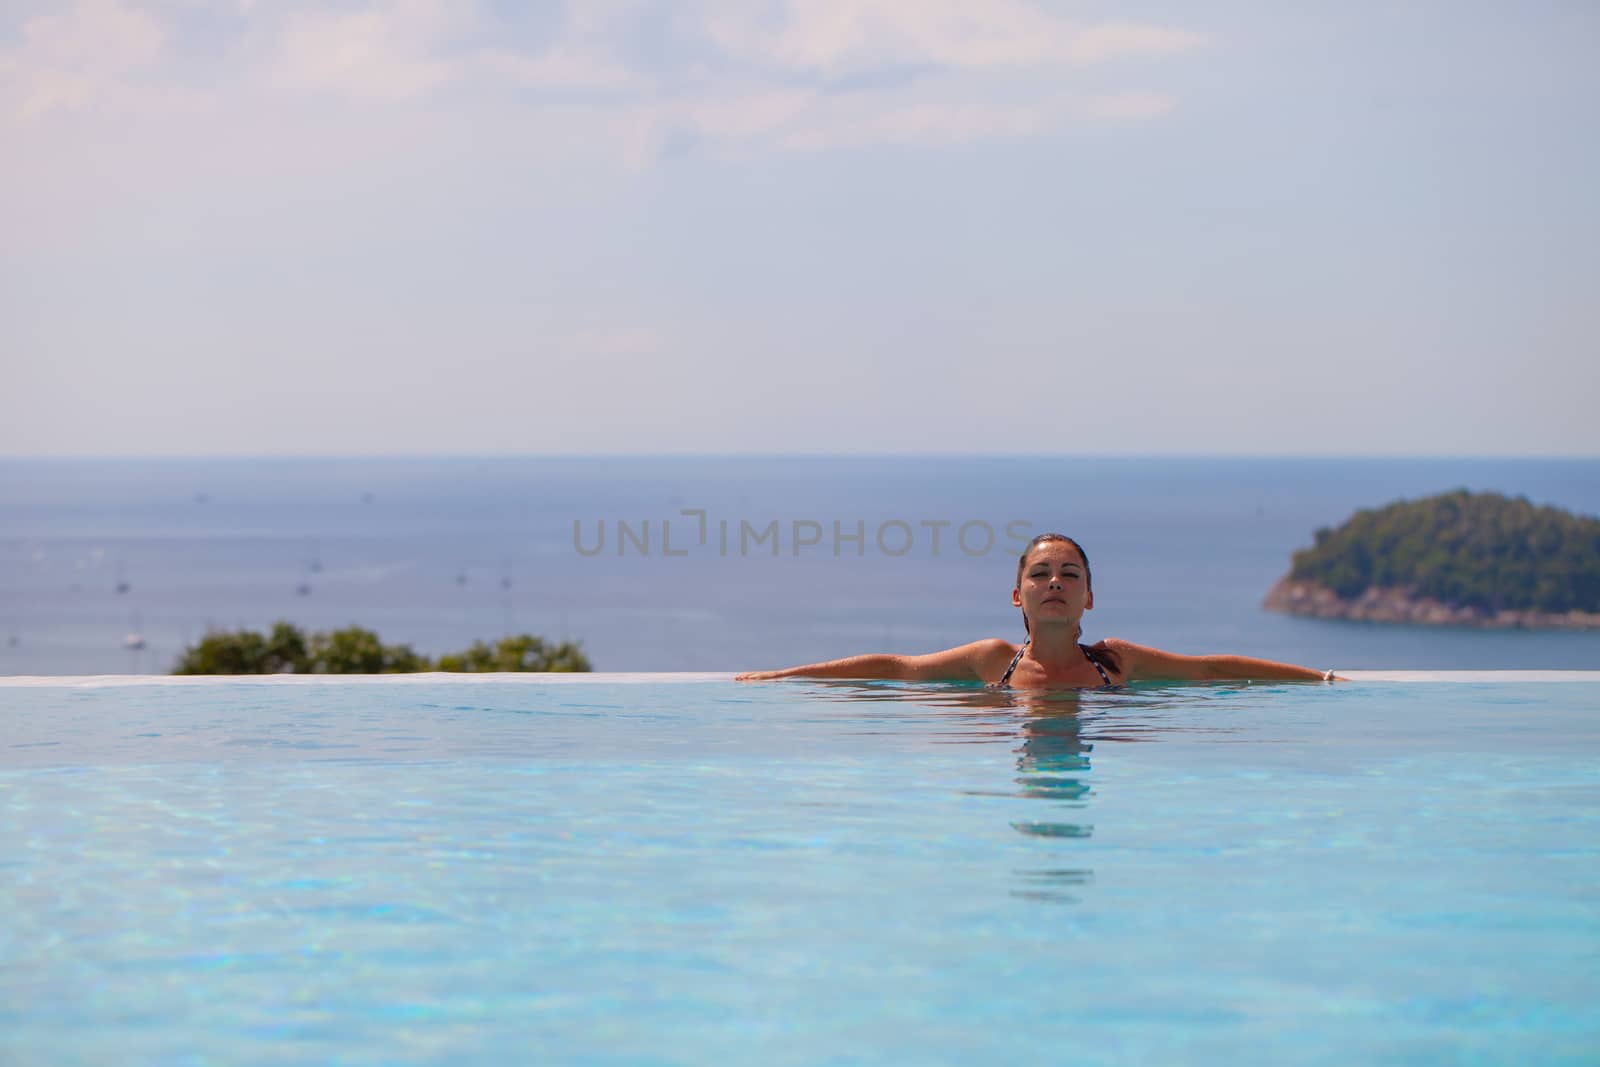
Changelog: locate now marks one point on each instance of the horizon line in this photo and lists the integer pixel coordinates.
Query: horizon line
(642, 455)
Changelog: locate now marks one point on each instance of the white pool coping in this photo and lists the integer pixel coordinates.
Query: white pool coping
(91, 681)
(1471, 676)
(426, 678)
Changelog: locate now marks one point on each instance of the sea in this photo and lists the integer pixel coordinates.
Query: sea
(682, 563)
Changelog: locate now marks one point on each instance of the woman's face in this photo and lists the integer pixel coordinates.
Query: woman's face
(1054, 587)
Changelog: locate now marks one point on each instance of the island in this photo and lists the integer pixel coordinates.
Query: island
(1457, 559)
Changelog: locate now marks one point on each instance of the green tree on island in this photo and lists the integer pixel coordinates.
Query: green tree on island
(1478, 550)
(356, 650)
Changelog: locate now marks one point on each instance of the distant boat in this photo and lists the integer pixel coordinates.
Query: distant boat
(134, 642)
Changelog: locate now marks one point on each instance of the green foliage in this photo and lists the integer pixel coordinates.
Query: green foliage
(521, 653)
(355, 650)
(283, 651)
(1479, 550)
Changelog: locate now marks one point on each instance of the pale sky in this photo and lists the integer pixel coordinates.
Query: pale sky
(889, 226)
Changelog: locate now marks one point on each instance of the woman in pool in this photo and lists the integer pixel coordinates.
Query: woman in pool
(1053, 590)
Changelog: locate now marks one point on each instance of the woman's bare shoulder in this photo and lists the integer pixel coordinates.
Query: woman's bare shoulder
(990, 657)
(984, 648)
(979, 657)
(993, 650)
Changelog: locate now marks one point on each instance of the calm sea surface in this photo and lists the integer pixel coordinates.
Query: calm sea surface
(768, 561)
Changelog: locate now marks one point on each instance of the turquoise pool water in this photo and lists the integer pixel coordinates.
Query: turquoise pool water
(683, 869)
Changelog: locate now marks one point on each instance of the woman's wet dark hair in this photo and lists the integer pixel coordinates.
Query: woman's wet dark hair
(1099, 651)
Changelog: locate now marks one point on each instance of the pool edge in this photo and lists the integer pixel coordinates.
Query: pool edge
(653, 678)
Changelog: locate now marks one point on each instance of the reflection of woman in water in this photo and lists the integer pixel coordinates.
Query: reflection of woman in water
(1053, 590)
(1052, 765)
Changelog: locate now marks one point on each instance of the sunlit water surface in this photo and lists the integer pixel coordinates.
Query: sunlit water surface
(694, 871)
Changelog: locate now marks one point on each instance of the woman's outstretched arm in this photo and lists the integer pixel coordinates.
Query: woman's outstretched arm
(1142, 662)
(964, 663)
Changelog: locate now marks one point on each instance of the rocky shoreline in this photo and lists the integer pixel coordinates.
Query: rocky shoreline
(1397, 605)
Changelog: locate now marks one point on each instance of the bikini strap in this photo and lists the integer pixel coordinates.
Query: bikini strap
(1006, 677)
(1088, 654)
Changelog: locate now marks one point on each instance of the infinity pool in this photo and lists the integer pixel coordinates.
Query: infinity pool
(684, 869)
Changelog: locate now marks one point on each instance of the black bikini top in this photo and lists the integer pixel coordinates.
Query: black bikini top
(1088, 654)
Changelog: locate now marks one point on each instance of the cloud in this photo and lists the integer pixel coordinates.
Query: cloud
(840, 38)
(793, 76)
(649, 78)
(383, 52)
(76, 57)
